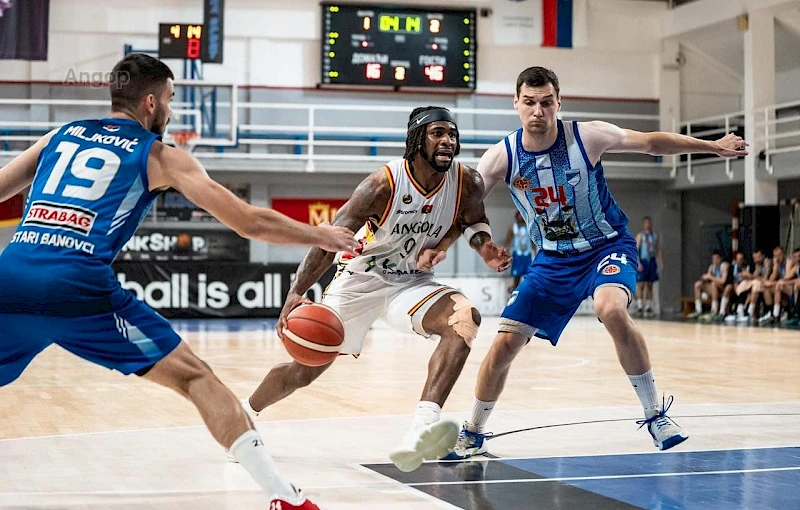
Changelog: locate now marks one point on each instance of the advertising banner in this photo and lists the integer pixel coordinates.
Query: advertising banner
(219, 289)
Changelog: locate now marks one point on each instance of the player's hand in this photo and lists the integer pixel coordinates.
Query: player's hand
(496, 257)
(334, 239)
(429, 257)
(641, 267)
(293, 300)
(731, 146)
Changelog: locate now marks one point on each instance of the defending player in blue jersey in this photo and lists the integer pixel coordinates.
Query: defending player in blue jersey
(92, 182)
(553, 171)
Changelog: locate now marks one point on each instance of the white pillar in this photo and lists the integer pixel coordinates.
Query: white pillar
(759, 90)
(669, 88)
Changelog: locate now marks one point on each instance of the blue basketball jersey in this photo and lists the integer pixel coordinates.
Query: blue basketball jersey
(88, 197)
(648, 249)
(521, 241)
(562, 196)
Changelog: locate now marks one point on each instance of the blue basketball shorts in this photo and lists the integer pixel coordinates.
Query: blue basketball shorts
(556, 285)
(520, 263)
(649, 272)
(129, 338)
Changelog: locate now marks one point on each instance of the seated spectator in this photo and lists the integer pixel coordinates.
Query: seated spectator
(711, 283)
(768, 286)
(751, 284)
(734, 292)
(785, 287)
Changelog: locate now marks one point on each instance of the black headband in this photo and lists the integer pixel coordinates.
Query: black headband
(429, 116)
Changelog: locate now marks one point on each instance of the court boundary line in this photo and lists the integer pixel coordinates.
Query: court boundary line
(609, 477)
(382, 480)
(574, 455)
(395, 483)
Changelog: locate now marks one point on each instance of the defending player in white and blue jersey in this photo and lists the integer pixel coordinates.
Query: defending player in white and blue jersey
(555, 176)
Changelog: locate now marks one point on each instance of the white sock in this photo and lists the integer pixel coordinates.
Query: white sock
(426, 413)
(751, 310)
(776, 310)
(698, 306)
(481, 410)
(724, 305)
(648, 304)
(645, 387)
(740, 310)
(639, 304)
(252, 455)
(714, 306)
(249, 407)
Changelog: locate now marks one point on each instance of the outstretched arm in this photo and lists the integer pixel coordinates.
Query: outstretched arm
(168, 167)
(600, 137)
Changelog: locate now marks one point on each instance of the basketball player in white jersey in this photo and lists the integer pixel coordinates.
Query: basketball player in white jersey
(403, 211)
(92, 182)
(555, 176)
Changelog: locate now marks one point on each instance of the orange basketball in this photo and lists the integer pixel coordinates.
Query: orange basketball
(313, 335)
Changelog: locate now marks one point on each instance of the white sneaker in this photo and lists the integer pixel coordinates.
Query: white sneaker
(664, 431)
(766, 318)
(731, 318)
(743, 319)
(252, 414)
(429, 442)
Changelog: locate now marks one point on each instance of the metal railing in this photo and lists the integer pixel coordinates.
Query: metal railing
(311, 134)
(777, 130)
(707, 128)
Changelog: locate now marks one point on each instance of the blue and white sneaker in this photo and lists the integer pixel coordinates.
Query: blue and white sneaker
(665, 432)
(469, 444)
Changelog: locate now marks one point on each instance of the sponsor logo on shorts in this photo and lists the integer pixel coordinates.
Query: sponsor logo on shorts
(611, 269)
(522, 184)
(65, 217)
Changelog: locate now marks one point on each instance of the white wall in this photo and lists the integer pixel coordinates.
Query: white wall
(277, 44)
(707, 87)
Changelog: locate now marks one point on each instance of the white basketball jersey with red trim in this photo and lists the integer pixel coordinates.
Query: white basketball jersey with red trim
(413, 220)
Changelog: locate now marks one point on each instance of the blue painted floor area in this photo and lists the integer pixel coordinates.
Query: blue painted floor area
(757, 478)
(762, 478)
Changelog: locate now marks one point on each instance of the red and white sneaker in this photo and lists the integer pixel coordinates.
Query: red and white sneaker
(278, 503)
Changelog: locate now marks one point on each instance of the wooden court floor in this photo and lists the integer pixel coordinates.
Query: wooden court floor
(76, 436)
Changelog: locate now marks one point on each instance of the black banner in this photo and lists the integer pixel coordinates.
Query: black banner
(161, 245)
(171, 205)
(213, 30)
(23, 29)
(197, 289)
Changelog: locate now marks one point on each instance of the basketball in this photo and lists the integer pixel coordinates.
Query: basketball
(313, 335)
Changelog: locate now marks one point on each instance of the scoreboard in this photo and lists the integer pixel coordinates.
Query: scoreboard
(177, 40)
(398, 46)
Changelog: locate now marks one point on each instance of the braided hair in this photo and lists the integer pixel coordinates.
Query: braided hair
(415, 139)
